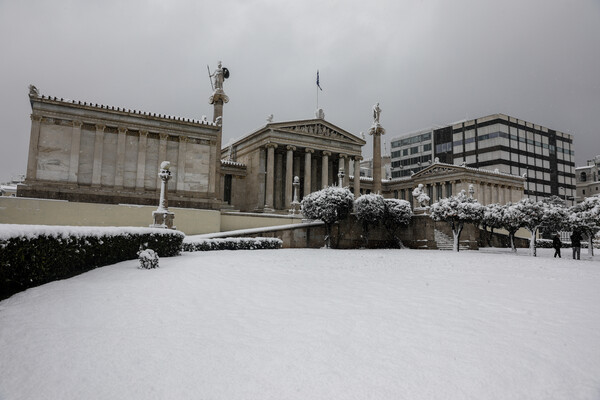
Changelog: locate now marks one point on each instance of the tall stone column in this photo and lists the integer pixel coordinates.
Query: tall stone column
(376, 131)
(325, 169)
(34, 138)
(357, 160)
(443, 188)
(495, 195)
(289, 175)
(181, 163)
(162, 154)
(120, 166)
(141, 161)
(218, 98)
(97, 164)
(308, 171)
(502, 195)
(75, 144)
(270, 176)
(279, 185)
(481, 193)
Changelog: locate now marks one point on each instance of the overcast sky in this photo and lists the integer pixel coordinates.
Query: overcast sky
(427, 62)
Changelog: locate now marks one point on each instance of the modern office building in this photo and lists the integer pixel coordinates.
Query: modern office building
(495, 142)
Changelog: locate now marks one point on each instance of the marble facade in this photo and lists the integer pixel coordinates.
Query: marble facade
(94, 153)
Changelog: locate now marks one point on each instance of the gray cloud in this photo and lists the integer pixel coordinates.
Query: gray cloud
(427, 62)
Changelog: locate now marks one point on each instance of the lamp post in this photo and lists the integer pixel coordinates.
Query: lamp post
(526, 183)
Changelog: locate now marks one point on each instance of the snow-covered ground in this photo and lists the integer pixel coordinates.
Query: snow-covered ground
(310, 324)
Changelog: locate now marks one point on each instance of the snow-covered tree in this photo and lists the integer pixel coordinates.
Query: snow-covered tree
(532, 218)
(492, 218)
(397, 213)
(585, 216)
(369, 210)
(510, 220)
(329, 205)
(457, 210)
(556, 216)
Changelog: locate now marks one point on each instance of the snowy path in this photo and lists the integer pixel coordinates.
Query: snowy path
(310, 324)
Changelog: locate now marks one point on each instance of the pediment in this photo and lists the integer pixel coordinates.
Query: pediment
(318, 128)
(438, 169)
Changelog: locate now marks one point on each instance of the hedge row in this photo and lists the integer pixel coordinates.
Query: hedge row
(34, 255)
(233, 244)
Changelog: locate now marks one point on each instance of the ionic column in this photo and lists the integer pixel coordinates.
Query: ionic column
(97, 165)
(357, 176)
(289, 175)
(443, 187)
(120, 166)
(495, 195)
(162, 154)
(141, 160)
(481, 194)
(325, 169)
(307, 171)
(345, 166)
(489, 194)
(75, 143)
(502, 196)
(270, 175)
(181, 163)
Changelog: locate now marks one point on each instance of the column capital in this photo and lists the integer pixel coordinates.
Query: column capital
(164, 136)
(271, 145)
(326, 153)
(184, 139)
(36, 118)
(290, 147)
(77, 123)
(358, 158)
(342, 155)
(143, 133)
(309, 150)
(122, 130)
(100, 127)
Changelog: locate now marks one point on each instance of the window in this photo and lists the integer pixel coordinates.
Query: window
(405, 152)
(427, 147)
(414, 150)
(583, 177)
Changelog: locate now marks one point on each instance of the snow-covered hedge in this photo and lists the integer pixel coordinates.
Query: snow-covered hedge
(31, 255)
(547, 244)
(233, 244)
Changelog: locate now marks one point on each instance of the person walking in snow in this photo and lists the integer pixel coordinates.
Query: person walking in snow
(556, 243)
(576, 243)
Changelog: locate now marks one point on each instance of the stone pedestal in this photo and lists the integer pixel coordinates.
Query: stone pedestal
(295, 205)
(162, 217)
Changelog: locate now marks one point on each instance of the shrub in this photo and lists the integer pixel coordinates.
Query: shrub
(148, 259)
(330, 205)
(233, 244)
(32, 255)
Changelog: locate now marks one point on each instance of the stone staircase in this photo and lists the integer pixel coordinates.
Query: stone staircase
(445, 242)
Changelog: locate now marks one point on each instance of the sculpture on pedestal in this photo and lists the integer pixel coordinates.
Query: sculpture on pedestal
(218, 77)
(341, 177)
(162, 217)
(422, 197)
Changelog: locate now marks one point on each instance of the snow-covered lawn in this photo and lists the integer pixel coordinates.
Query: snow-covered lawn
(310, 324)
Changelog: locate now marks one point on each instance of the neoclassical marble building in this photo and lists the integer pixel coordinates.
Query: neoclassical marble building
(313, 150)
(94, 153)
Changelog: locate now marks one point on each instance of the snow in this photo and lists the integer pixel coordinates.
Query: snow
(8, 231)
(310, 324)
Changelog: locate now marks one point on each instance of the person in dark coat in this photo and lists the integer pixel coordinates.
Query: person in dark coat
(576, 244)
(556, 243)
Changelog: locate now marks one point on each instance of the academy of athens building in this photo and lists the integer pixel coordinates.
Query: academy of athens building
(84, 152)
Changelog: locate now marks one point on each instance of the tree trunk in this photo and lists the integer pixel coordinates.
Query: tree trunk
(513, 246)
(590, 244)
(365, 229)
(456, 233)
(328, 235)
(532, 248)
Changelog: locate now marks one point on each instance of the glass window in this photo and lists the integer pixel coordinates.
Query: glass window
(427, 147)
(414, 150)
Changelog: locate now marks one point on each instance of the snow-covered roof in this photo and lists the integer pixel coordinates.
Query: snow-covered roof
(232, 163)
(478, 170)
(126, 111)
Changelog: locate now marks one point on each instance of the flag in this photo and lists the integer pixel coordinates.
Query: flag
(319, 86)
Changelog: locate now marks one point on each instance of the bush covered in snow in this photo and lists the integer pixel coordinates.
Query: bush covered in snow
(369, 209)
(585, 217)
(330, 205)
(233, 244)
(31, 255)
(397, 213)
(148, 259)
